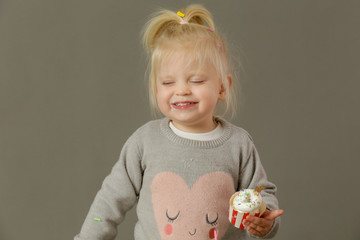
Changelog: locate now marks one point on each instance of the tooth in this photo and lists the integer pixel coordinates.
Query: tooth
(182, 104)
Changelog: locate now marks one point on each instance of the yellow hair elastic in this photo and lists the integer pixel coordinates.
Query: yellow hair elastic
(180, 14)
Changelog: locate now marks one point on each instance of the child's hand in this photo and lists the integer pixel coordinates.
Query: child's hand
(260, 226)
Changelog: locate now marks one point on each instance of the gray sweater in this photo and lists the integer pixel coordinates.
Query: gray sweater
(182, 187)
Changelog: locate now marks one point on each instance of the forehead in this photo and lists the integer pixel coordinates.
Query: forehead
(182, 62)
(182, 59)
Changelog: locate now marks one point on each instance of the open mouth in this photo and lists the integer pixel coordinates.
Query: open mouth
(183, 105)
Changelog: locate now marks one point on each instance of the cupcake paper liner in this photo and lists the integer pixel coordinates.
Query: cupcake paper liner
(237, 217)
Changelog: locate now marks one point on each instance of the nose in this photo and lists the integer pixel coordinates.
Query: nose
(182, 89)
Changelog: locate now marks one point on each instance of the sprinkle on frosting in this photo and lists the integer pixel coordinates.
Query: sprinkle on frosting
(259, 189)
(247, 200)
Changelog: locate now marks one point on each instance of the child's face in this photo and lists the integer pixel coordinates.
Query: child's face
(188, 93)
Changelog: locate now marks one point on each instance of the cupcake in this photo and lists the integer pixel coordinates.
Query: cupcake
(243, 203)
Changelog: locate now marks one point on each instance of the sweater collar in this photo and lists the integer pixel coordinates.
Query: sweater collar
(167, 132)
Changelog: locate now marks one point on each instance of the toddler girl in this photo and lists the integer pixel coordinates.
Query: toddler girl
(181, 170)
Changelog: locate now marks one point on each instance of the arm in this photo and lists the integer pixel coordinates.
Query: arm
(117, 195)
(252, 174)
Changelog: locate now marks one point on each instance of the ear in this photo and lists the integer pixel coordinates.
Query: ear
(223, 92)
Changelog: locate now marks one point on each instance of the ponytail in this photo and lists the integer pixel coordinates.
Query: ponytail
(171, 24)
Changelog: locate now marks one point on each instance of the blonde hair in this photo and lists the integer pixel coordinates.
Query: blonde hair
(194, 31)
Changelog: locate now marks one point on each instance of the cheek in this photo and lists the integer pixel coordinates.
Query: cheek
(162, 101)
(212, 233)
(168, 229)
(211, 97)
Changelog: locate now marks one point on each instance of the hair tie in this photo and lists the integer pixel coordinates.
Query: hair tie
(211, 30)
(180, 14)
(184, 22)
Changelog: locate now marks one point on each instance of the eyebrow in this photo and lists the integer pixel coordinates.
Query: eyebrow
(165, 77)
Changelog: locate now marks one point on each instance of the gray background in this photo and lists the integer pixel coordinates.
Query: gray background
(72, 90)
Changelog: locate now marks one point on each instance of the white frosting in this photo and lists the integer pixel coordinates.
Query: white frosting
(247, 200)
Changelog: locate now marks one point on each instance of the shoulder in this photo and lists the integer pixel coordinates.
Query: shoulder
(150, 126)
(148, 131)
(237, 132)
(142, 136)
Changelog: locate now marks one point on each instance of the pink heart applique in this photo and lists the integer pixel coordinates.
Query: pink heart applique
(194, 213)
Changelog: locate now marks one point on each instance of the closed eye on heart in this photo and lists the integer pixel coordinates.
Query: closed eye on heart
(212, 222)
(170, 218)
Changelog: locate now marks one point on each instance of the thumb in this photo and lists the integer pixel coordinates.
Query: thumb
(271, 215)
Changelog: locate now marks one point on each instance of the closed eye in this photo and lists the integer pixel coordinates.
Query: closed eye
(166, 83)
(172, 218)
(212, 222)
(197, 81)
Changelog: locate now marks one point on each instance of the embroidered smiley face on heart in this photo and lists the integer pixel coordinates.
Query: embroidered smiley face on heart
(191, 213)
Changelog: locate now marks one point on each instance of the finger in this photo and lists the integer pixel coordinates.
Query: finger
(254, 219)
(258, 228)
(259, 224)
(271, 215)
(254, 232)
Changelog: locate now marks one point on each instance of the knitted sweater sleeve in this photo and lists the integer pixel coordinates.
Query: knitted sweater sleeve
(117, 195)
(252, 174)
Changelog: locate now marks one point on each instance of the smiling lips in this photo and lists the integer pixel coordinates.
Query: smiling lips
(183, 105)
